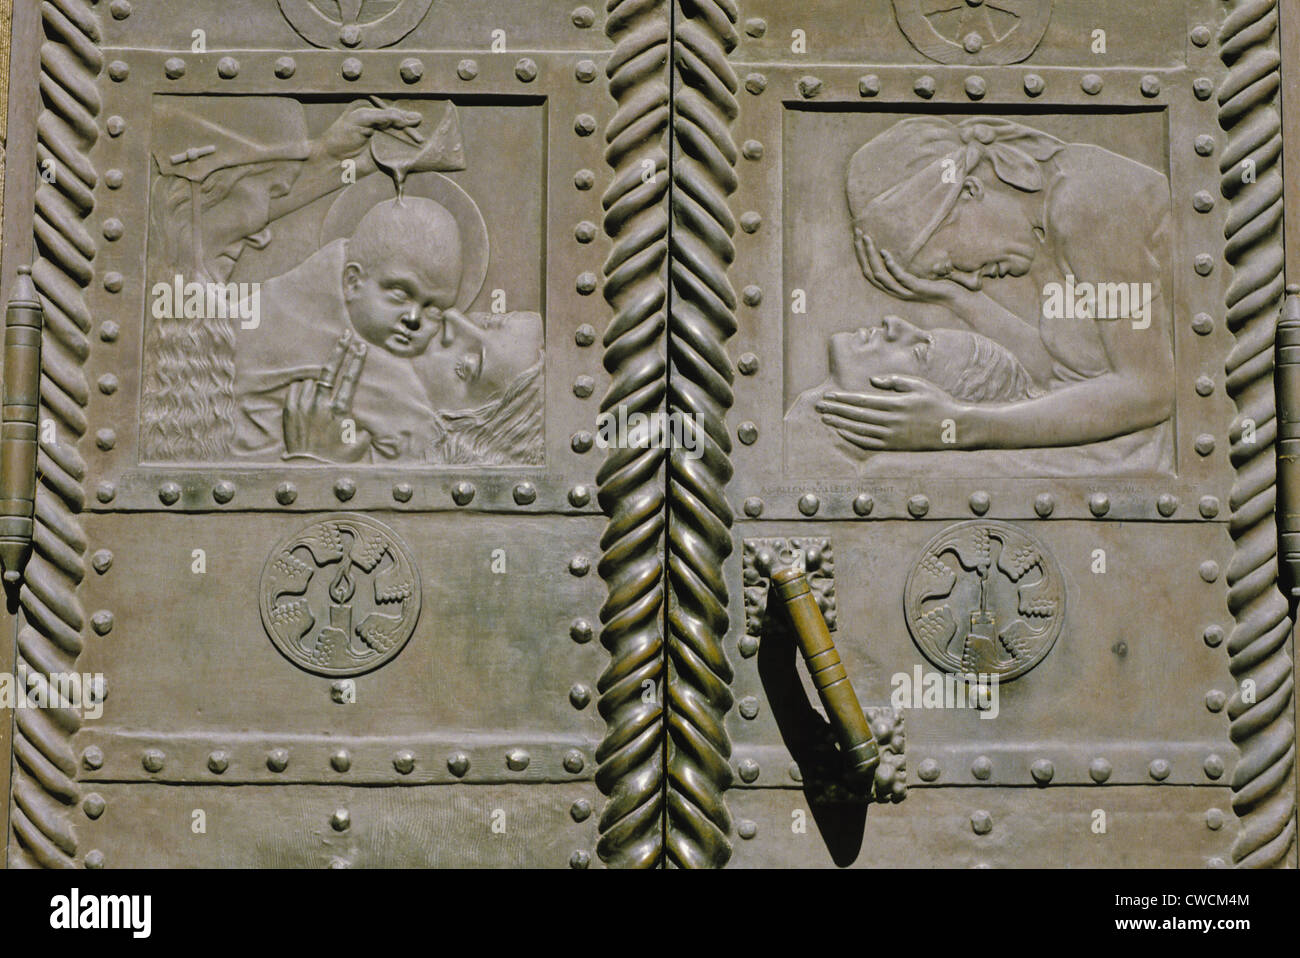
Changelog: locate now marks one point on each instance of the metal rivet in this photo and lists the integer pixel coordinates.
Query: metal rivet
(1202, 324)
(93, 757)
(1214, 819)
(580, 810)
(526, 69)
(1099, 770)
(1204, 264)
(585, 232)
(411, 70)
(1204, 386)
(750, 221)
(1091, 84)
(113, 229)
(113, 281)
(587, 283)
(109, 331)
(809, 504)
(579, 566)
(756, 27)
(747, 646)
(1203, 88)
(580, 860)
(796, 773)
(113, 179)
(584, 335)
(869, 85)
(1200, 35)
(105, 492)
(169, 493)
(1167, 505)
(976, 87)
(1212, 636)
(583, 17)
(467, 70)
(93, 805)
(574, 761)
(525, 493)
(918, 506)
(753, 507)
(462, 493)
(748, 769)
(1209, 570)
(344, 489)
(584, 124)
(115, 125)
(1209, 507)
(1043, 771)
(1213, 766)
(752, 295)
(404, 762)
(517, 760)
(809, 86)
(924, 87)
(581, 631)
(118, 71)
(1034, 84)
(584, 386)
(343, 691)
(1044, 504)
(579, 496)
(972, 43)
(755, 83)
(101, 561)
(403, 491)
(1204, 444)
(351, 69)
(174, 68)
(227, 68)
(585, 71)
(1204, 144)
(341, 820)
(1150, 85)
(863, 504)
(747, 365)
(746, 828)
(928, 770)
(752, 150)
(121, 9)
(286, 493)
(105, 439)
(580, 696)
(277, 760)
(218, 762)
(108, 384)
(981, 822)
(1215, 700)
(458, 764)
(749, 707)
(94, 859)
(350, 35)
(1202, 201)
(747, 432)
(1159, 769)
(223, 491)
(285, 67)
(980, 502)
(153, 760)
(341, 760)
(982, 768)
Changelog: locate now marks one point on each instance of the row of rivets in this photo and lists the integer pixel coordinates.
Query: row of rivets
(410, 70)
(1099, 769)
(980, 502)
(976, 87)
(277, 760)
(286, 493)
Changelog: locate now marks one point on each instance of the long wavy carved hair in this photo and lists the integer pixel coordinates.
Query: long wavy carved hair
(187, 403)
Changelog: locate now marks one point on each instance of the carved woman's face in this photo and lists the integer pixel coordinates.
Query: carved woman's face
(243, 216)
(986, 236)
(895, 347)
(470, 364)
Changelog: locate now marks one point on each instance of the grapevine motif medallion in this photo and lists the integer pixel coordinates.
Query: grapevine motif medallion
(340, 597)
(985, 598)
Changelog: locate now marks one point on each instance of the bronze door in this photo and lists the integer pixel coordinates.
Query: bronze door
(431, 394)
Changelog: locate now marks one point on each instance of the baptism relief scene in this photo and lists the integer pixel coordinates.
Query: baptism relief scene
(318, 291)
(997, 304)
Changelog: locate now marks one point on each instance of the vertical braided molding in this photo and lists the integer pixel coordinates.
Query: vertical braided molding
(50, 633)
(632, 481)
(703, 306)
(1263, 788)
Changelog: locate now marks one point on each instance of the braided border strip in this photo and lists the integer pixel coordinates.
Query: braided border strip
(50, 636)
(631, 481)
(703, 306)
(1263, 784)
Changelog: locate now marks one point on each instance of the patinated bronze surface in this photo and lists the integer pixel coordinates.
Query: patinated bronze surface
(451, 418)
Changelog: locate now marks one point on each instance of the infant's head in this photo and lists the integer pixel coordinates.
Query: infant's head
(403, 268)
(966, 365)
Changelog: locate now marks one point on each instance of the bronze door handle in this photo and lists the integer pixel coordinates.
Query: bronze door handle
(852, 729)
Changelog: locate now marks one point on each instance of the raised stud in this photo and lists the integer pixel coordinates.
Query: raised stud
(809, 504)
(982, 768)
(869, 85)
(981, 822)
(526, 70)
(277, 760)
(580, 697)
(747, 433)
(517, 760)
(753, 507)
(227, 68)
(404, 762)
(1099, 770)
(341, 760)
(344, 489)
(286, 493)
(1159, 769)
(980, 503)
(218, 761)
(403, 491)
(1034, 84)
(1043, 771)
(918, 506)
(462, 493)
(748, 770)
(574, 761)
(285, 67)
(411, 70)
(458, 764)
(467, 70)
(928, 770)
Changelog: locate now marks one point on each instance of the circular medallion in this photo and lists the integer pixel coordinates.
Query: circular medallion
(985, 598)
(354, 24)
(340, 596)
(975, 32)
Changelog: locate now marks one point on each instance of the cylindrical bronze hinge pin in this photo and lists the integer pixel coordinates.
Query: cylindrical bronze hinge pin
(18, 437)
(1288, 436)
(861, 754)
